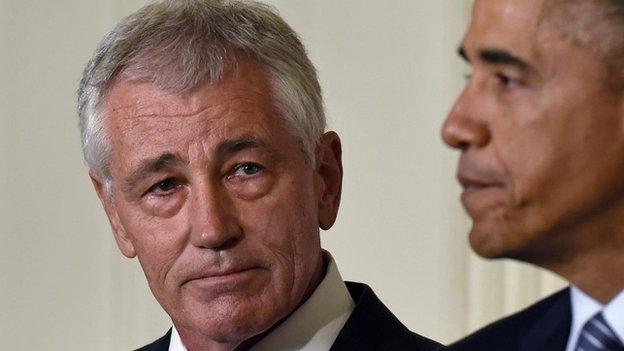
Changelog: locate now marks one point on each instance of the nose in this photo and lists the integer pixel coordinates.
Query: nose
(465, 126)
(215, 225)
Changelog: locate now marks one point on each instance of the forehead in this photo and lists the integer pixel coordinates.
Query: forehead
(505, 24)
(141, 114)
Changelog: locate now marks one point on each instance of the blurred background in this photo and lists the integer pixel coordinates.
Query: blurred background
(390, 74)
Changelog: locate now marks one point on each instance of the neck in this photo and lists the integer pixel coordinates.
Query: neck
(594, 256)
(317, 277)
(599, 275)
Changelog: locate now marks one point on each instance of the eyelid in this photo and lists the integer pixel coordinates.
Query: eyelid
(509, 80)
(153, 190)
(241, 165)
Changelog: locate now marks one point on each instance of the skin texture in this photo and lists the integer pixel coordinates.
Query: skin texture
(214, 196)
(541, 134)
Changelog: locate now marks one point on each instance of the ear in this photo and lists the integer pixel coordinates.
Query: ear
(329, 175)
(123, 241)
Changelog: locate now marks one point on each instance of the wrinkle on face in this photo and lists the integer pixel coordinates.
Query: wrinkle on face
(278, 229)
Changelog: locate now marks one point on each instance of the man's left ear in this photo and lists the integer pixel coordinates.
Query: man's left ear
(329, 178)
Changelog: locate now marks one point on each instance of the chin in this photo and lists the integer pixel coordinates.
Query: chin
(230, 320)
(490, 242)
(517, 243)
(226, 330)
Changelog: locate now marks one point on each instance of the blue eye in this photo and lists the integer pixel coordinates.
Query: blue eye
(248, 169)
(165, 186)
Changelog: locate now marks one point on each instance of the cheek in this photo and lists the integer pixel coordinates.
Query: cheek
(251, 189)
(286, 231)
(158, 243)
(531, 170)
(282, 228)
(165, 206)
(532, 155)
(556, 162)
(528, 147)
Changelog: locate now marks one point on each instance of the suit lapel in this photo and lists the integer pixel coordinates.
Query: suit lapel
(360, 329)
(551, 331)
(161, 344)
(372, 327)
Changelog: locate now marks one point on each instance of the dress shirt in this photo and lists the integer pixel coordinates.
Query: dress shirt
(585, 307)
(313, 326)
(175, 343)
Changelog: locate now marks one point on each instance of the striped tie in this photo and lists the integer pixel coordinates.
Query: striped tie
(597, 335)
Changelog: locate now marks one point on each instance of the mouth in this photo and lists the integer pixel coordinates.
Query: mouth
(473, 187)
(226, 277)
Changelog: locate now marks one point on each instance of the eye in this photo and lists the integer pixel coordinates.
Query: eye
(247, 169)
(507, 80)
(164, 187)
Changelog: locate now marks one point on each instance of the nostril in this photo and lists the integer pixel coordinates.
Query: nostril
(462, 145)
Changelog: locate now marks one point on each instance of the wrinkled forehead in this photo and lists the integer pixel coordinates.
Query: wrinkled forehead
(142, 115)
(245, 85)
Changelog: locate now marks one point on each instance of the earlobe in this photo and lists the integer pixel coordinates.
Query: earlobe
(123, 240)
(329, 172)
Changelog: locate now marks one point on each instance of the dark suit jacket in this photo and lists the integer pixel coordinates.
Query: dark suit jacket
(371, 327)
(544, 326)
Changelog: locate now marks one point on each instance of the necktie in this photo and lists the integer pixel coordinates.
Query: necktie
(596, 335)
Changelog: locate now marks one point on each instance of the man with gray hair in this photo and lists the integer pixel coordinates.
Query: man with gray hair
(203, 127)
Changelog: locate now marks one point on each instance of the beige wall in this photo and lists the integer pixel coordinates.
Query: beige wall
(389, 74)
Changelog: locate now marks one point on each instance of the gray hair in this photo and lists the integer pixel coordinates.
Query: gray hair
(596, 24)
(179, 45)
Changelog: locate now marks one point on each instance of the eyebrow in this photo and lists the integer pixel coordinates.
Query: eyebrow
(231, 147)
(152, 165)
(498, 57)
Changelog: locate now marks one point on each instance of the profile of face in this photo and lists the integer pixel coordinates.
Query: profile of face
(541, 134)
(214, 195)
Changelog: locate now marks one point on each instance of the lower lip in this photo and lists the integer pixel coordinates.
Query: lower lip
(472, 193)
(235, 278)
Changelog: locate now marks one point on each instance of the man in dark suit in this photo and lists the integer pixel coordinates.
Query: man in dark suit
(203, 127)
(540, 127)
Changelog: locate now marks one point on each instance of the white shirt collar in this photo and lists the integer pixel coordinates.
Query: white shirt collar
(314, 326)
(175, 343)
(614, 314)
(584, 308)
